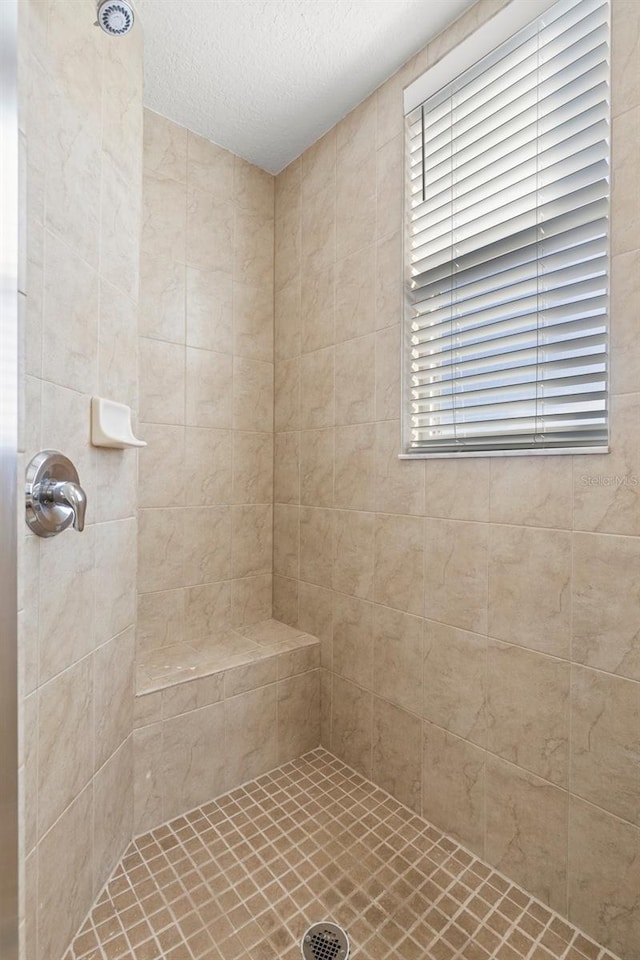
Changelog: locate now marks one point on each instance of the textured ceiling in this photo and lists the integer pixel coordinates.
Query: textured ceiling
(266, 78)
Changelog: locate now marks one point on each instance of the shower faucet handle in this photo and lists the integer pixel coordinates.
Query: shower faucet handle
(68, 494)
(54, 497)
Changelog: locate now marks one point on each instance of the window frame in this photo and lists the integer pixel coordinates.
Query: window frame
(497, 31)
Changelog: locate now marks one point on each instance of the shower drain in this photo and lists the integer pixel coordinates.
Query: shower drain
(325, 941)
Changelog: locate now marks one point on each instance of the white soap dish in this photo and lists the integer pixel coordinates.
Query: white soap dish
(111, 425)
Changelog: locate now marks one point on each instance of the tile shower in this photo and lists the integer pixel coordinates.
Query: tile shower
(460, 636)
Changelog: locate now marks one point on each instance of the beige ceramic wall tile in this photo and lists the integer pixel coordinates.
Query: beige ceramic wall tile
(253, 248)
(288, 245)
(147, 786)
(65, 876)
(115, 587)
(529, 588)
(456, 573)
(528, 710)
(287, 395)
(207, 544)
(353, 553)
(113, 800)
(161, 466)
(250, 734)
(316, 538)
(399, 563)
(388, 374)
(286, 541)
(193, 759)
(209, 309)
(319, 164)
(162, 381)
(208, 465)
(252, 467)
(318, 229)
(624, 347)
(252, 395)
(287, 468)
(161, 311)
(253, 321)
(351, 724)
(526, 831)
(209, 166)
(355, 293)
(72, 602)
(160, 549)
(625, 28)
(315, 616)
(251, 539)
(353, 639)
(399, 483)
(355, 381)
(208, 389)
(316, 467)
(65, 741)
(355, 205)
(604, 857)
(160, 619)
(458, 489)
(120, 216)
(251, 599)
(625, 190)
(285, 599)
(113, 686)
(453, 786)
(317, 389)
(209, 230)
(455, 681)
(317, 308)
(389, 184)
(396, 760)
(117, 346)
(605, 630)
(69, 355)
(535, 491)
(298, 715)
(165, 147)
(354, 476)
(397, 658)
(164, 218)
(607, 489)
(287, 321)
(605, 727)
(389, 273)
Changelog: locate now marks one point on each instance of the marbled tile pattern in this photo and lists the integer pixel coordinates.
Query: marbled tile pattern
(243, 876)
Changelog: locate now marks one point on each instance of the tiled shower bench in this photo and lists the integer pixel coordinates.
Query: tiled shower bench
(211, 715)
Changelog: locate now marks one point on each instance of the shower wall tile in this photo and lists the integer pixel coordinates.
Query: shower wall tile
(453, 788)
(206, 389)
(455, 684)
(83, 212)
(605, 746)
(463, 592)
(528, 710)
(605, 856)
(113, 799)
(396, 746)
(526, 831)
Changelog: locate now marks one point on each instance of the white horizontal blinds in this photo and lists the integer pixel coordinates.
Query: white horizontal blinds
(508, 245)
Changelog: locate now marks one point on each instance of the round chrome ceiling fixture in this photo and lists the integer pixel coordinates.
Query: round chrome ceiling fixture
(115, 17)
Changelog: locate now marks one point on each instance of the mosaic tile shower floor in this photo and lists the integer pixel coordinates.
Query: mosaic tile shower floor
(244, 876)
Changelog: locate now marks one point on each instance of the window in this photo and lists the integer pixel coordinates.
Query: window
(506, 245)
